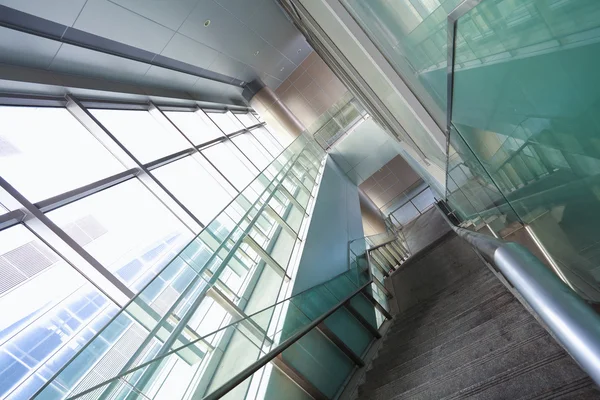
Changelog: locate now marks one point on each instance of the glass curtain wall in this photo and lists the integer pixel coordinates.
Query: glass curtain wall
(127, 189)
(243, 262)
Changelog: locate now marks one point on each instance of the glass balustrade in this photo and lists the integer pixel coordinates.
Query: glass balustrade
(525, 132)
(196, 366)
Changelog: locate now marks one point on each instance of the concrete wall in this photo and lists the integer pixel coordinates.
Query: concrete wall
(364, 151)
(335, 221)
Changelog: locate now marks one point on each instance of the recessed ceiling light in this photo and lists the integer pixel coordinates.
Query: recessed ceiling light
(256, 52)
(207, 23)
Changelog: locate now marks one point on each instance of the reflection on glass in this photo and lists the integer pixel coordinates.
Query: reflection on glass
(412, 34)
(268, 141)
(48, 311)
(226, 121)
(148, 136)
(246, 119)
(190, 181)
(253, 150)
(175, 334)
(528, 150)
(126, 229)
(231, 163)
(45, 152)
(195, 125)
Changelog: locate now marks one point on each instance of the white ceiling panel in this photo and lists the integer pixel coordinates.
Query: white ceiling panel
(246, 39)
(271, 61)
(170, 13)
(184, 49)
(23, 49)
(241, 9)
(106, 19)
(297, 49)
(224, 33)
(62, 11)
(228, 66)
(271, 24)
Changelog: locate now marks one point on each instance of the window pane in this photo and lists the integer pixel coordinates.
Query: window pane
(47, 310)
(148, 138)
(191, 183)
(253, 150)
(226, 121)
(195, 125)
(45, 152)
(231, 163)
(125, 228)
(268, 141)
(282, 137)
(246, 119)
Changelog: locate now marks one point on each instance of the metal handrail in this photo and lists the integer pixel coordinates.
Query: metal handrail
(383, 244)
(252, 368)
(570, 319)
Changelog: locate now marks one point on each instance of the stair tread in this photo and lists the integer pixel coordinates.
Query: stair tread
(470, 339)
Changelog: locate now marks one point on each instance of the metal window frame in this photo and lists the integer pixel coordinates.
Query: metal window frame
(34, 217)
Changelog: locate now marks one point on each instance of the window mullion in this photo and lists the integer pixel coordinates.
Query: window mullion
(116, 148)
(65, 246)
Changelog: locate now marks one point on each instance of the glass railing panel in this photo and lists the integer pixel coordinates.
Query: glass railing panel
(536, 142)
(365, 308)
(213, 351)
(473, 193)
(319, 361)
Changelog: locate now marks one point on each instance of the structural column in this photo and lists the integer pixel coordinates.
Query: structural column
(276, 114)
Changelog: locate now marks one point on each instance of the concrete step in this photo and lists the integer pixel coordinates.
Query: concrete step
(514, 350)
(440, 310)
(469, 338)
(414, 356)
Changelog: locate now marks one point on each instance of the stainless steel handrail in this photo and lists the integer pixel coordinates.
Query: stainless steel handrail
(383, 244)
(252, 368)
(572, 321)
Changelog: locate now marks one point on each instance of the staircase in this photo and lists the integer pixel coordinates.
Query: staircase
(459, 333)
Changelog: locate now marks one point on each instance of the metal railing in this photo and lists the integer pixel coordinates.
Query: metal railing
(410, 199)
(254, 367)
(570, 319)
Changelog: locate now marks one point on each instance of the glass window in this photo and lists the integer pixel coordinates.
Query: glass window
(226, 121)
(46, 308)
(247, 119)
(268, 141)
(46, 151)
(231, 163)
(195, 125)
(253, 150)
(125, 228)
(147, 137)
(189, 180)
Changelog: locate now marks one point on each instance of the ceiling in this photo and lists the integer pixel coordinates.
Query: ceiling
(244, 39)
